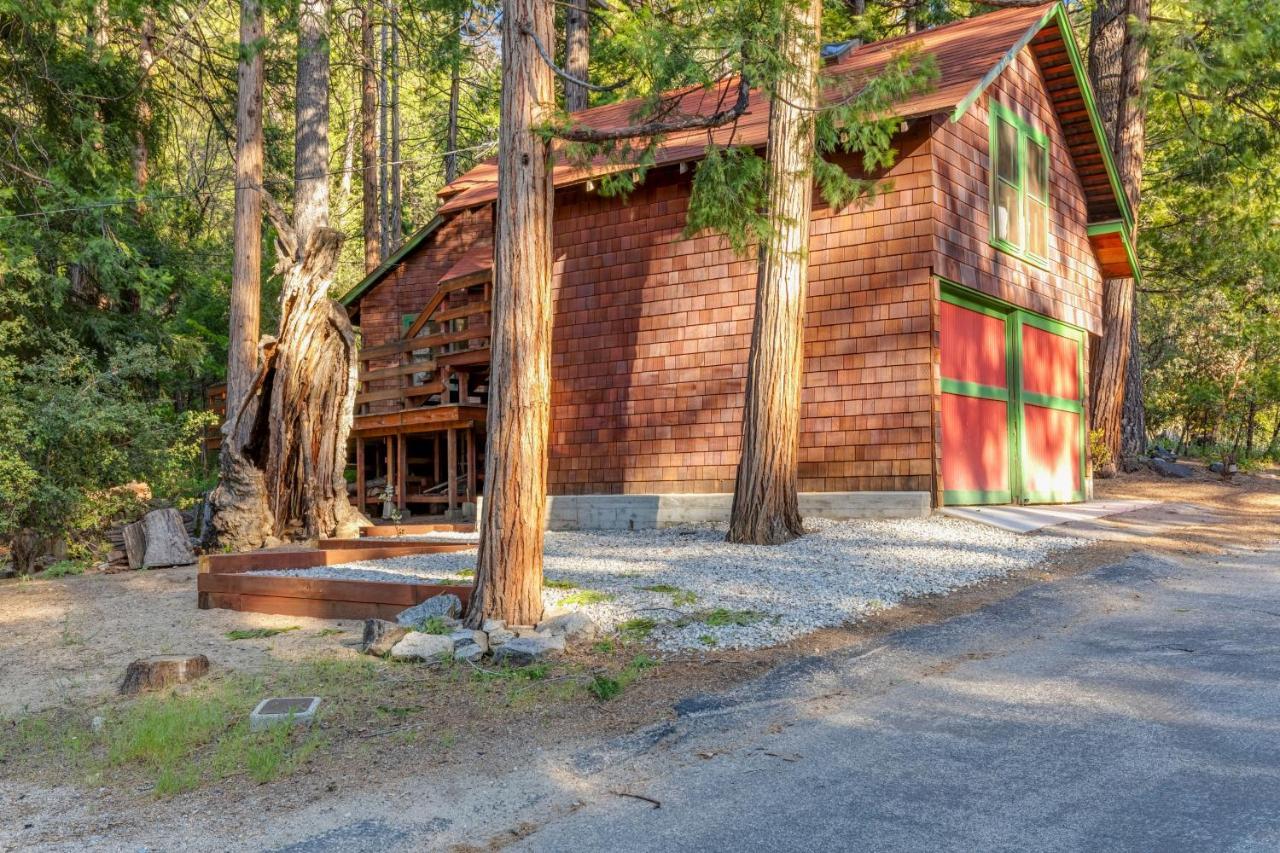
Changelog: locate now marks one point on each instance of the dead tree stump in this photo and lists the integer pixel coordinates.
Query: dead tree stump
(162, 670)
(159, 539)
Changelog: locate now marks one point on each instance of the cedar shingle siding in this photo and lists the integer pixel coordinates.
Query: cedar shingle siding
(652, 328)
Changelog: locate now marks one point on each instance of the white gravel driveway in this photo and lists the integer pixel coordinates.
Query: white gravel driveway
(713, 594)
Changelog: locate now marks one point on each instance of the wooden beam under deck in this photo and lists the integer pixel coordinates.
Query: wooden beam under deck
(418, 420)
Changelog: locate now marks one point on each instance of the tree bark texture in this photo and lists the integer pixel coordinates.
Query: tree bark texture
(451, 133)
(508, 581)
(766, 507)
(1117, 71)
(287, 479)
(246, 270)
(384, 136)
(369, 140)
(395, 221)
(1106, 61)
(1130, 155)
(312, 379)
(311, 136)
(284, 474)
(577, 54)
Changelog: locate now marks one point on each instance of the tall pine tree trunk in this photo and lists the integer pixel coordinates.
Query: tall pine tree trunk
(451, 132)
(1117, 70)
(311, 137)
(577, 54)
(369, 141)
(508, 581)
(240, 518)
(766, 507)
(395, 217)
(1130, 155)
(301, 416)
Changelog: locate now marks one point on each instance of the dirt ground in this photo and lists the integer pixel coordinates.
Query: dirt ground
(65, 643)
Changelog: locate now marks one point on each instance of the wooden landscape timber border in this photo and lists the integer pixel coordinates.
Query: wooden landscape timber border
(223, 582)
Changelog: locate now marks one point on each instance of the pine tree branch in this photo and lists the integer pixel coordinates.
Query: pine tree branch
(565, 75)
(582, 133)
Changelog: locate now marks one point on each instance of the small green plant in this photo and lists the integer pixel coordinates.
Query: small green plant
(722, 617)
(638, 628)
(708, 640)
(556, 583)
(64, 568)
(330, 632)
(588, 596)
(259, 633)
(434, 625)
(533, 672)
(465, 573)
(679, 597)
(605, 647)
(604, 688)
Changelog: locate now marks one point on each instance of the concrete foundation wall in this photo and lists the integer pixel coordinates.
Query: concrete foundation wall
(640, 512)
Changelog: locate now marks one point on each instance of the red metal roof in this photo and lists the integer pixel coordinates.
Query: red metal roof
(964, 51)
(477, 259)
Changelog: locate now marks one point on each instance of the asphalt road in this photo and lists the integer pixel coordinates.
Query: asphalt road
(1136, 708)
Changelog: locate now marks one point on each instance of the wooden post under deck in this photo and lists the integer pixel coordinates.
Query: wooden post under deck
(360, 485)
(402, 460)
(451, 467)
(389, 471)
(471, 465)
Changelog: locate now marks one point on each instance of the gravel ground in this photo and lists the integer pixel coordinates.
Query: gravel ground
(837, 573)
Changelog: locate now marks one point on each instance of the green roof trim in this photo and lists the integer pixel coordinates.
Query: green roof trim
(1058, 15)
(355, 293)
(1115, 226)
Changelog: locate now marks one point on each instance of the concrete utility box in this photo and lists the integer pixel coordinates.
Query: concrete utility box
(295, 710)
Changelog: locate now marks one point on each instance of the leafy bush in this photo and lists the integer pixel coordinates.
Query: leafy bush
(76, 431)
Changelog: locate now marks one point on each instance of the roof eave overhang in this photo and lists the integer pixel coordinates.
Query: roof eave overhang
(1057, 16)
(1100, 230)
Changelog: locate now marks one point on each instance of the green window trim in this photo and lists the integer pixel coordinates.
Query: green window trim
(1029, 188)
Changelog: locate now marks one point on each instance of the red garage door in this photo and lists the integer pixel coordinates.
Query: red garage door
(1012, 404)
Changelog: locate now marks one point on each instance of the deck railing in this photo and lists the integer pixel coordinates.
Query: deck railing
(436, 364)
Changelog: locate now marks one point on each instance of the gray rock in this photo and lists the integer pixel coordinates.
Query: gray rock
(522, 630)
(465, 636)
(1217, 467)
(468, 652)
(380, 635)
(526, 650)
(446, 606)
(1165, 468)
(499, 636)
(493, 625)
(419, 646)
(576, 626)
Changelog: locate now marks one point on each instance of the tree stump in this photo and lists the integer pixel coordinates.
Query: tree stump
(159, 539)
(160, 671)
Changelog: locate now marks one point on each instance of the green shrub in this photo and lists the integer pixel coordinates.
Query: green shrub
(64, 568)
(434, 625)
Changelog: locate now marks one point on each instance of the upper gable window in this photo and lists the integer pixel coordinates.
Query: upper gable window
(1019, 186)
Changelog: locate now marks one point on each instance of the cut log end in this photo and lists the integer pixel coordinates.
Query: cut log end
(160, 671)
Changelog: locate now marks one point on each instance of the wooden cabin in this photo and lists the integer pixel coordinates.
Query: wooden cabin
(948, 320)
